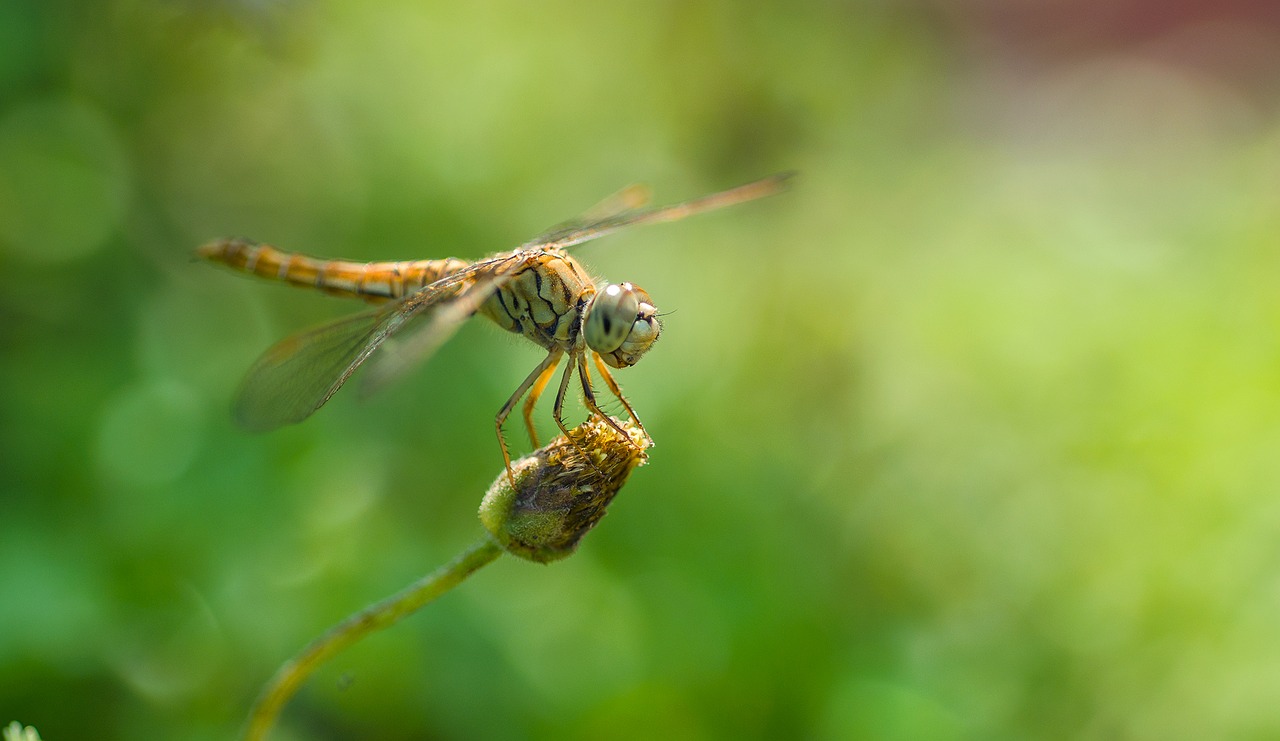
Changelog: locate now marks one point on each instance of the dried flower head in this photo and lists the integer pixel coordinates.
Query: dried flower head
(561, 490)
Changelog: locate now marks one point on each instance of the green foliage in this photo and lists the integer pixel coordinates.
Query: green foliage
(972, 434)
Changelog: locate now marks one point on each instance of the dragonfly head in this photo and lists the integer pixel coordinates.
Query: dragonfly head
(621, 324)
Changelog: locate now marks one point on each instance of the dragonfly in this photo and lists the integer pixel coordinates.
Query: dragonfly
(538, 290)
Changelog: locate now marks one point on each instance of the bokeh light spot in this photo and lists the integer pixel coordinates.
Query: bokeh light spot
(149, 434)
(63, 180)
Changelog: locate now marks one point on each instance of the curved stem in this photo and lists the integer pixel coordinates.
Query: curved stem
(377, 616)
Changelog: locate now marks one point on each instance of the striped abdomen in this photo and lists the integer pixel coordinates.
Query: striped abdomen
(372, 281)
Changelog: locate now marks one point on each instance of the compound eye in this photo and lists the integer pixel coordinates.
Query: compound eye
(609, 320)
(621, 324)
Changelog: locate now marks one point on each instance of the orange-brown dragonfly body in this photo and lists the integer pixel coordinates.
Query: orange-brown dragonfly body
(375, 282)
(542, 299)
(538, 290)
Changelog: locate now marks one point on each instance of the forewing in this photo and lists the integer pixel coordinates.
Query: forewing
(585, 232)
(626, 200)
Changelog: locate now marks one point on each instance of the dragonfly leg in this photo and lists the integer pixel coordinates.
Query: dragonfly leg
(534, 392)
(617, 391)
(558, 409)
(539, 374)
(589, 400)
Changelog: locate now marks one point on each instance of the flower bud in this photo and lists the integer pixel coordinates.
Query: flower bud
(561, 490)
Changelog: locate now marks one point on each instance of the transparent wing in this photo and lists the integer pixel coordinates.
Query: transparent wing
(297, 375)
(579, 232)
(422, 343)
(628, 199)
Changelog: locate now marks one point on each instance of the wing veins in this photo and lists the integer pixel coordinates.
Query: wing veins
(299, 374)
(561, 239)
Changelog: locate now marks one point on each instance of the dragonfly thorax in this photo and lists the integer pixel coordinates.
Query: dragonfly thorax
(620, 323)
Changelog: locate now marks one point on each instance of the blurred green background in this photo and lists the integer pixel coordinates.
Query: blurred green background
(973, 434)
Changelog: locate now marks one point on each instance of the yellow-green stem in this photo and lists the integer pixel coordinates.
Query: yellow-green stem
(385, 613)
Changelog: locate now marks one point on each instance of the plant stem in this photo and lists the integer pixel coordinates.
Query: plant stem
(377, 616)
